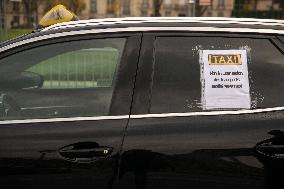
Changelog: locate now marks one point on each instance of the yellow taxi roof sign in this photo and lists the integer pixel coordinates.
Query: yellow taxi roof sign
(57, 14)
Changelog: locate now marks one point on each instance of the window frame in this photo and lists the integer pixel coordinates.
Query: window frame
(122, 86)
(144, 82)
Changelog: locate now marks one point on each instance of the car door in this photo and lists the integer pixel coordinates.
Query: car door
(172, 141)
(64, 106)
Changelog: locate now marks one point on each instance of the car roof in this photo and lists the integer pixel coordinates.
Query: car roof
(217, 24)
(168, 21)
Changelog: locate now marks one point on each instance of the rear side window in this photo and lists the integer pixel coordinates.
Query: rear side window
(176, 82)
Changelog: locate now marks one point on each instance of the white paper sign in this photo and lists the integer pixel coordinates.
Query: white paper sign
(224, 79)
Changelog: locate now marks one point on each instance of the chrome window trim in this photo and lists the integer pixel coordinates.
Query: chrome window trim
(72, 119)
(162, 21)
(212, 113)
(141, 29)
(126, 20)
(142, 116)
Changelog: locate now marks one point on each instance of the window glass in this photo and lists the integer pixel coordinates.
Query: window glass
(60, 80)
(176, 83)
(84, 68)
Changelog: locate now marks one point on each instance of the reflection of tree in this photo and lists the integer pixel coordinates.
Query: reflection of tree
(140, 162)
(209, 167)
(207, 164)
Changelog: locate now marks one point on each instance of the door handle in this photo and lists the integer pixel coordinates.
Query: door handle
(276, 151)
(84, 152)
(272, 148)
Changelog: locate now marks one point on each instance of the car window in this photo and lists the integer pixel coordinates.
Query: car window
(60, 80)
(177, 78)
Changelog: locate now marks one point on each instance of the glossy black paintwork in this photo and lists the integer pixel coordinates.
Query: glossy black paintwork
(197, 151)
(173, 152)
(31, 154)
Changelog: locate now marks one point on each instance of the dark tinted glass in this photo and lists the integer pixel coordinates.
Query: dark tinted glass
(176, 80)
(70, 79)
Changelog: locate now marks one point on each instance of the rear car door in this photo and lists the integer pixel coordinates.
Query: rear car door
(64, 106)
(174, 141)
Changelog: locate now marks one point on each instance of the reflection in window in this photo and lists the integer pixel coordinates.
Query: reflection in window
(62, 80)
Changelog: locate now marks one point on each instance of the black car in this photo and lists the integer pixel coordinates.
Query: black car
(132, 103)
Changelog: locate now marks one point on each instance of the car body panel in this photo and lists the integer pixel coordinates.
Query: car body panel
(210, 149)
(58, 152)
(199, 149)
